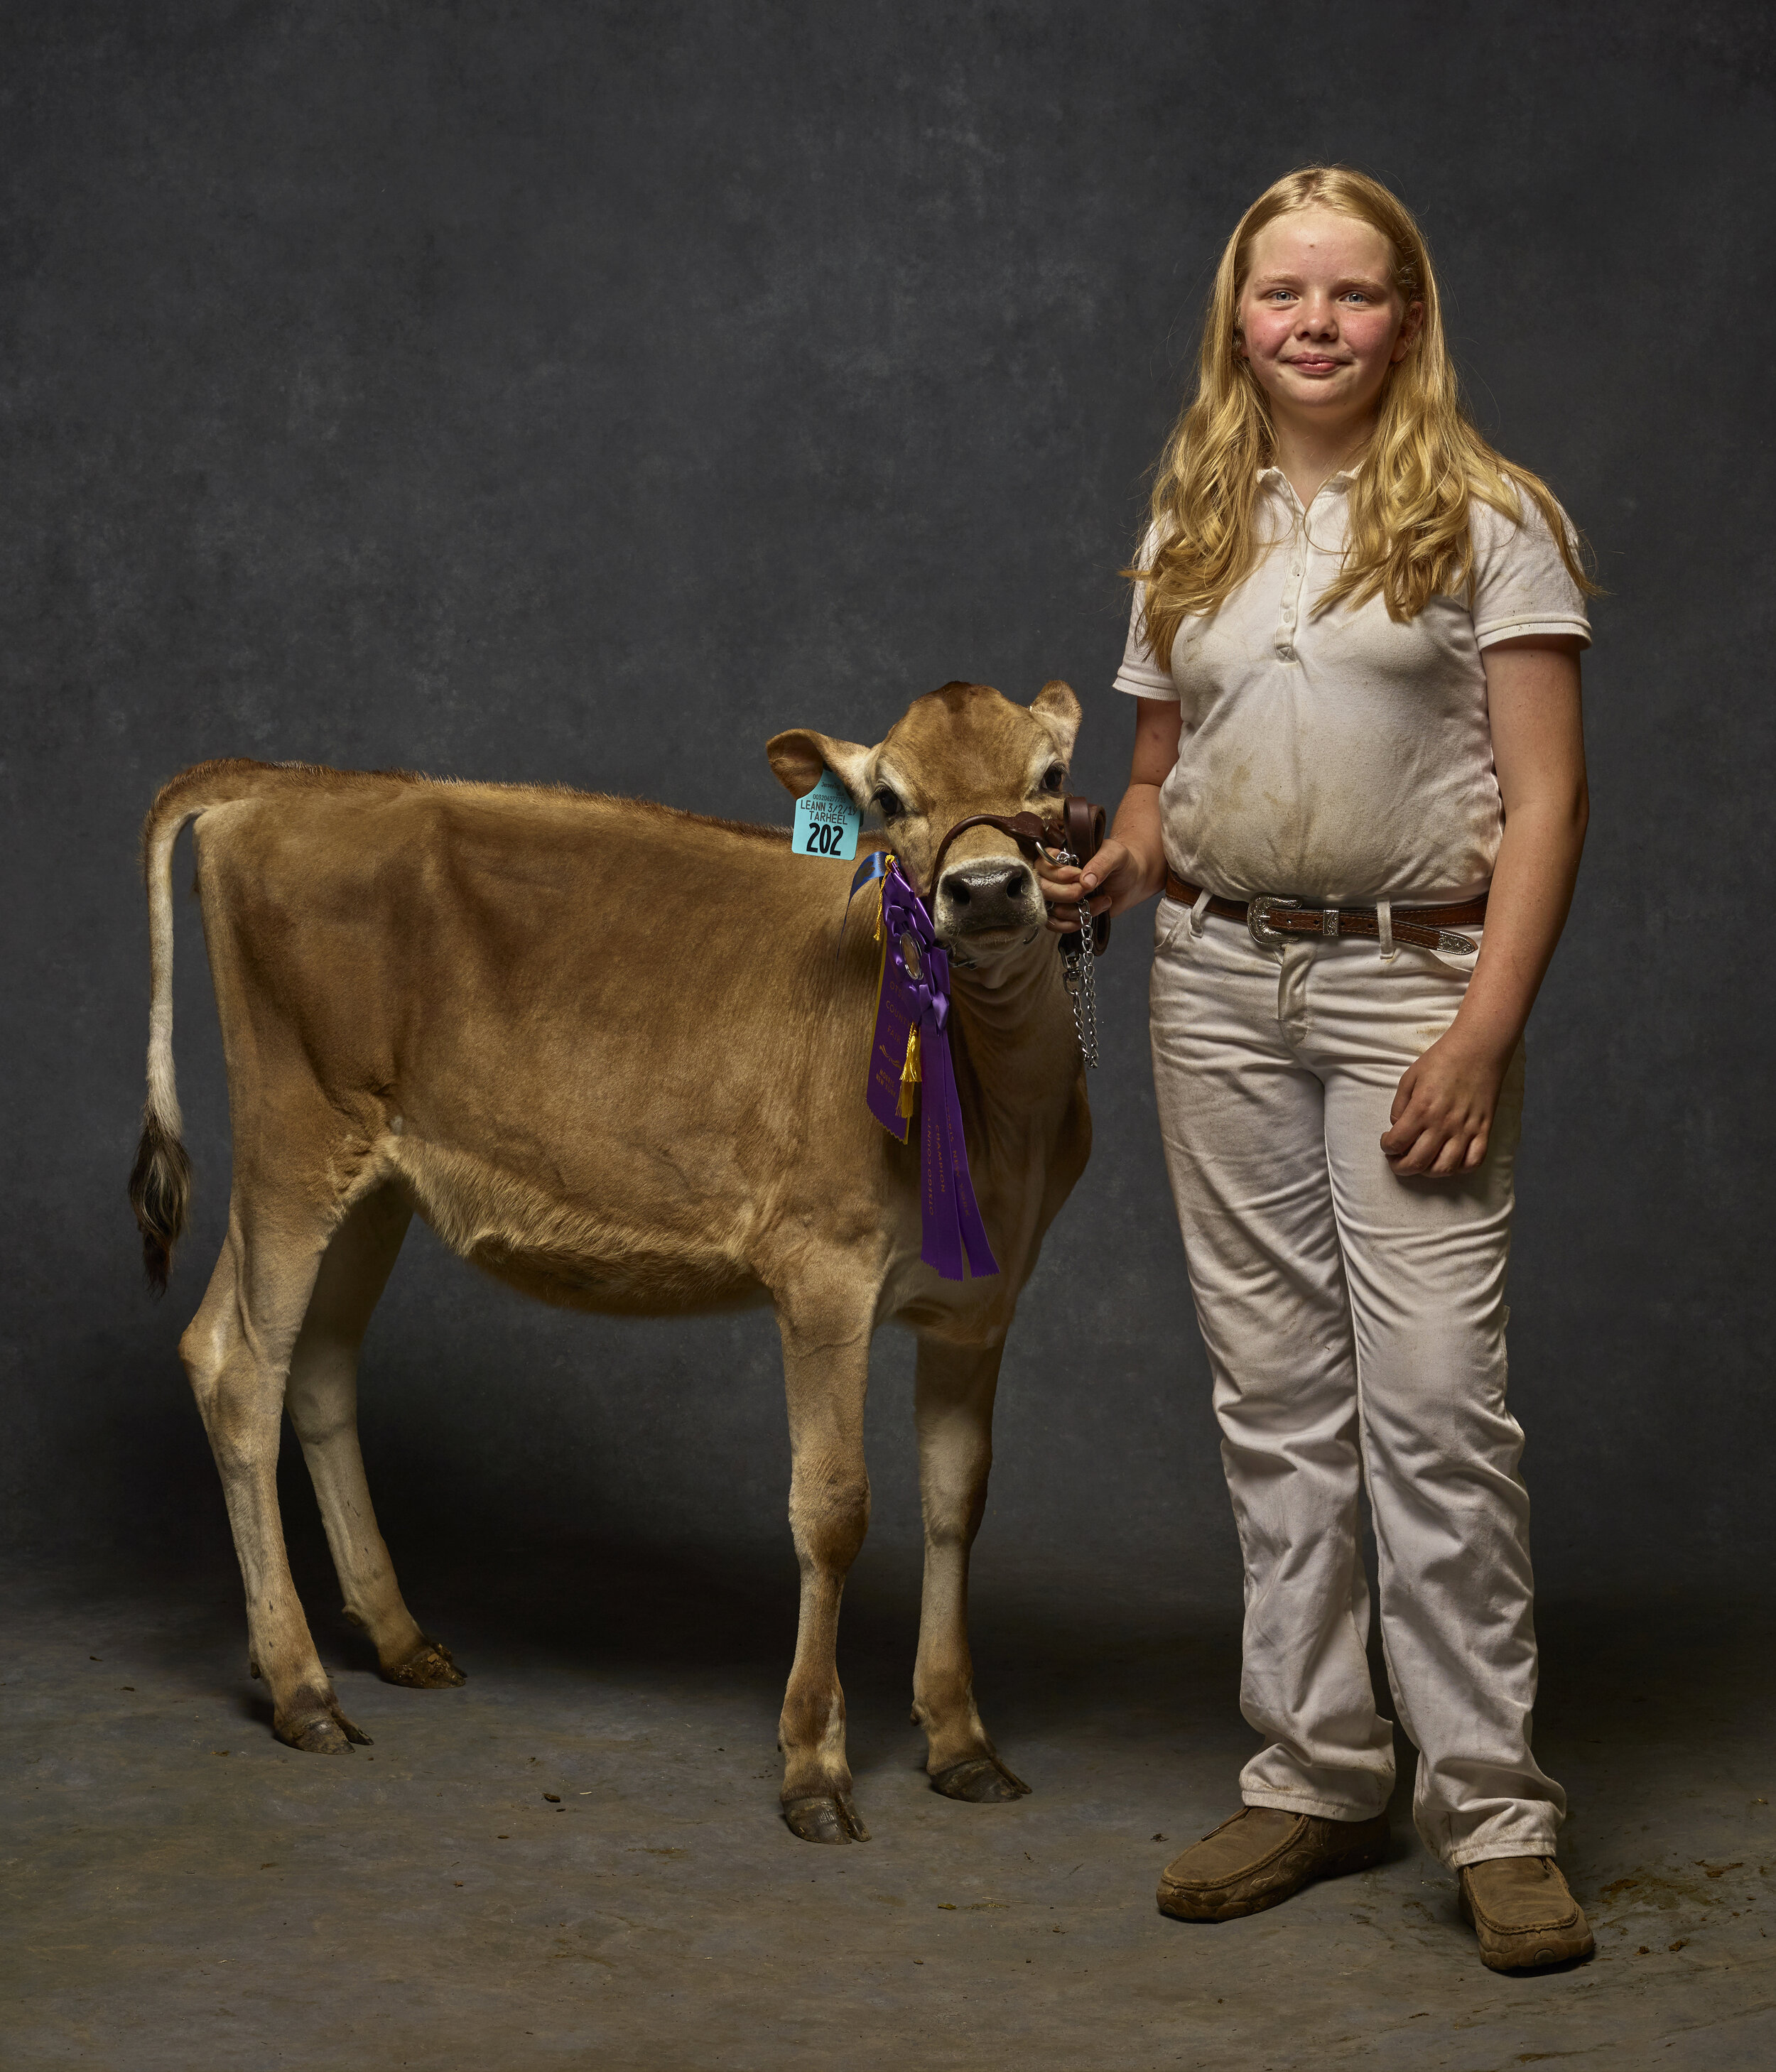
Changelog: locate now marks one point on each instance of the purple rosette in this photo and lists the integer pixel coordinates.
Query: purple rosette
(913, 1009)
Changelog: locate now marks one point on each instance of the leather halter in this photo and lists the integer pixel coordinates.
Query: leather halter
(1080, 829)
(1031, 833)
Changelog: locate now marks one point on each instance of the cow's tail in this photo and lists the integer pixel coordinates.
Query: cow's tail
(160, 1187)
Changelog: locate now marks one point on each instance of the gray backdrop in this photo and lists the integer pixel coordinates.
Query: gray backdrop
(584, 393)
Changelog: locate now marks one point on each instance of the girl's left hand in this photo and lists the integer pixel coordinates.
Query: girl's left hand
(1443, 1110)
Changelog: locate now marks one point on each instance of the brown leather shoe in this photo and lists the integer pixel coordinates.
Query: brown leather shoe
(1260, 1857)
(1523, 1913)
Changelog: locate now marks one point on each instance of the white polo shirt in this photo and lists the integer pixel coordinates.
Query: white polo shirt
(1339, 757)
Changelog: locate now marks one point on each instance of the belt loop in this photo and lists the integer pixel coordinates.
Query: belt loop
(1198, 911)
(1384, 925)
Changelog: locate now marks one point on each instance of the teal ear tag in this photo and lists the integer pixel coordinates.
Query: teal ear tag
(826, 820)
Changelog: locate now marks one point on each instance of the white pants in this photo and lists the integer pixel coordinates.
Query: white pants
(1355, 1328)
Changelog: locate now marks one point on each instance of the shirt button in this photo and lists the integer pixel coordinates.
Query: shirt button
(1284, 653)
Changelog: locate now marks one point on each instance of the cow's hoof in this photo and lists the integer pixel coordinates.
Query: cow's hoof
(429, 1667)
(830, 1819)
(320, 1733)
(982, 1780)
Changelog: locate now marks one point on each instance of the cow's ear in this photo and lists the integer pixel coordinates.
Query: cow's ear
(799, 756)
(1056, 707)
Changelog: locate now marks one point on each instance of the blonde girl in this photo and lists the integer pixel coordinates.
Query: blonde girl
(1358, 786)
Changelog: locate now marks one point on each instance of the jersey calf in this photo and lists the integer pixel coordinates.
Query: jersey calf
(427, 1005)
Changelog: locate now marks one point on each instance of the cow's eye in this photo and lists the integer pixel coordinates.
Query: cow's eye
(887, 802)
(1053, 777)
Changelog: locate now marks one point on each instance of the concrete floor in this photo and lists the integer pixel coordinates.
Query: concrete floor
(180, 1891)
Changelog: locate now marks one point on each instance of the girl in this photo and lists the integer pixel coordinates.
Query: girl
(1359, 782)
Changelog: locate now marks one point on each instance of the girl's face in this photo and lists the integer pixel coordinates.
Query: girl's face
(1320, 321)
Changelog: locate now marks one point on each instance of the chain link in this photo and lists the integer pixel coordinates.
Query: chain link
(1080, 972)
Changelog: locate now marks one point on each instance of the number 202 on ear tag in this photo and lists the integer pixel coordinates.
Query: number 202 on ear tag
(826, 820)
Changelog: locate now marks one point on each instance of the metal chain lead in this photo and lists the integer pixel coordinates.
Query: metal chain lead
(1080, 972)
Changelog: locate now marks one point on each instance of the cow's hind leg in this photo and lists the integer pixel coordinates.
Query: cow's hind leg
(236, 1352)
(955, 1396)
(322, 1396)
(826, 1368)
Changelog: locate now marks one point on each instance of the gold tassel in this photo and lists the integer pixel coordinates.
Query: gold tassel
(882, 888)
(910, 1072)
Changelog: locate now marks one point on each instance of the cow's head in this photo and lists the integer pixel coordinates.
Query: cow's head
(962, 751)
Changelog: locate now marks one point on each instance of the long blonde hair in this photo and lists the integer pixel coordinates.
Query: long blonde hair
(1409, 536)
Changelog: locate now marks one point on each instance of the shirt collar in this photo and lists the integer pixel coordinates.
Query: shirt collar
(1334, 482)
(1276, 477)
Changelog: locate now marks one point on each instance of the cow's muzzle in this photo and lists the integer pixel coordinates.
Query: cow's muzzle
(991, 893)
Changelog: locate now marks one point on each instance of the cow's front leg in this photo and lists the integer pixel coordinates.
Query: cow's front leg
(826, 1368)
(954, 1412)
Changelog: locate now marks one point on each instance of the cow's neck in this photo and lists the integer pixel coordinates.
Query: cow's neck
(1017, 1057)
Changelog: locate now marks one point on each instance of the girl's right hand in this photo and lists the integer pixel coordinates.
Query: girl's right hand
(1112, 880)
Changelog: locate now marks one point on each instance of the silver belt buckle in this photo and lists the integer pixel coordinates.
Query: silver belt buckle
(1258, 914)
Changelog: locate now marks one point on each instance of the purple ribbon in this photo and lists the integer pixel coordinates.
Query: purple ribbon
(915, 993)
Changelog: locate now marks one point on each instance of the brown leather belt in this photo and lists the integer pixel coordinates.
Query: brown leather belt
(1272, 922)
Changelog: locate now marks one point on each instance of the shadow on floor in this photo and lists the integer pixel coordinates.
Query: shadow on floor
(1056, 1649)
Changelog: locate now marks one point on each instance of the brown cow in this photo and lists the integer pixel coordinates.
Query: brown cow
(615, 1054)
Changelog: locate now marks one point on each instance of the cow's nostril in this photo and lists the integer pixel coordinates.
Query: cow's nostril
(958, 891)
(1015, 884)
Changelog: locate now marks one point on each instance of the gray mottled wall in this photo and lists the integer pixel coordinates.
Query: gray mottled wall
(586, 392)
